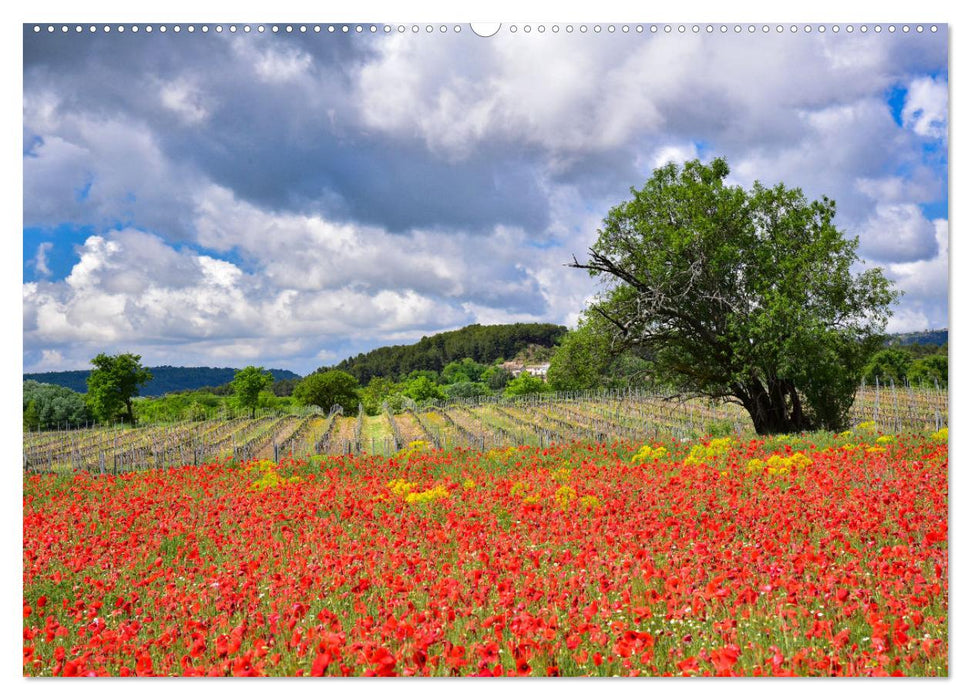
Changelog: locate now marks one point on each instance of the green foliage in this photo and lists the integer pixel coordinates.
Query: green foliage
(496, 378)
(583, 357)
(113, 384)
(329, 389)
(377, 392)
(429, 374)
(268, 401)
(284, 387)
(197, 411)
(466, 390)
(395, 401)
(190, 405)
(748, 296)
(247, 385)
(526, 383)
(482, 344)
(924, 371)
(31, 416)
(47, 406)
(421, 389)
(464, 370)
(888, 364)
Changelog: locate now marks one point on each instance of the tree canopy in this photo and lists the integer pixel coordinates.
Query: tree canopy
(247, 385)
(113, 383)
(741, 295)
(48, 406)
(886, 365)
(526, 383)
(329, 389)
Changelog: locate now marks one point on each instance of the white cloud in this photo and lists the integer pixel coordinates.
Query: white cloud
(673, 154)
(40, 259)
(925, 286)
(103, 172)
(908, 321)
(896, 233)
(282, 66)
(583, 117)
(925, 107)
(926, 280)
(184, 99)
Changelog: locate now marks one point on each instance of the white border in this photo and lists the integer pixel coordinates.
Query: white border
(602, 11)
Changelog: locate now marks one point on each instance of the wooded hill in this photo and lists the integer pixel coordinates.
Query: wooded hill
(484, 344)
(938, 337)
(165, 379)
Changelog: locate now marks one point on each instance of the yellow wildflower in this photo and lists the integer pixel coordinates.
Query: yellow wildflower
(647, 453)
(400, 487)
(432, 494)
(703, 453)
(519, 488)
(589, 502)
(564, 495)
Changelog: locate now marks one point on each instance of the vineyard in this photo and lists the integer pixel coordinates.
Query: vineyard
(537, 421)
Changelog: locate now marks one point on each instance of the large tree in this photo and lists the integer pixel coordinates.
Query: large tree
(329, 389)
(247, 384)
(750, 296)
(113, 383)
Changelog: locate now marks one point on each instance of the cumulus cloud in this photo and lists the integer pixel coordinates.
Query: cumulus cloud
(292, 199)
(184, 99)
(898, 232)
(925, 107)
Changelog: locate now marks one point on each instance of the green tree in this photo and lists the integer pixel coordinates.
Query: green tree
(247, 384)
(31, 416)
(466, 390)
(113, 383)
(496, 377)
(928, 369)
(329, 389)
(582, 359)
(464, 370)
(421, 389)
(526, 383)
(377, 391)
(48, 406)
(886, 365)
(747, 296)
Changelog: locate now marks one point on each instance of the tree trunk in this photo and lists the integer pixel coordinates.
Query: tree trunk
(774, 408)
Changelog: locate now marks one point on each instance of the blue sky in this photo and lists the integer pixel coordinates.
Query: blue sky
(288, 200)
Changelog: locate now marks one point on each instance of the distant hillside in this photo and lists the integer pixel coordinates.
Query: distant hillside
(938, 337)
(483, 344)
(165, 379)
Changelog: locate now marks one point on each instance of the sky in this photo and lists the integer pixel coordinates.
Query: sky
(288, 200)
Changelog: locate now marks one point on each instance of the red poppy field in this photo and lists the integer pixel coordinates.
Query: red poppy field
(778, 557)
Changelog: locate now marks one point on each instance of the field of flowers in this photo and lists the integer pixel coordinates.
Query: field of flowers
(822, 555)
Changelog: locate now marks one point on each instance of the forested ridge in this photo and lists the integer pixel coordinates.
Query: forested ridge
(165, 379)
(484, 344)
